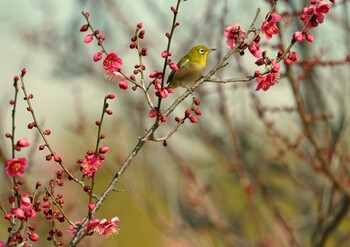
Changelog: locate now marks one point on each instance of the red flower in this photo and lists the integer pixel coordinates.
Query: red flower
(265, 82)
(322, 7)
(231, 33)
(255, 50)
(107, 227)
(25, 211)
(91, 164)
(112, 62)
(15, 167)
(269, 28)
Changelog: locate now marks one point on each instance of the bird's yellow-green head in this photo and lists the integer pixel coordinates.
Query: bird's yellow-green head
(198, 54)
(191, 66)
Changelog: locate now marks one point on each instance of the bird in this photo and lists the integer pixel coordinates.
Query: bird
(191, 66)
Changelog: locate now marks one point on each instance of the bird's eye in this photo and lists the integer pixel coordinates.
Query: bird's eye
(201, 51)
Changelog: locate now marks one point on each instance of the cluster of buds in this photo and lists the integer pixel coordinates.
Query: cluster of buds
(90, 37)
(188, 113)
(24, 212)
(156, 113)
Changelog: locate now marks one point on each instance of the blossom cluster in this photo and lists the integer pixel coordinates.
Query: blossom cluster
(312, 16)
(100, 227)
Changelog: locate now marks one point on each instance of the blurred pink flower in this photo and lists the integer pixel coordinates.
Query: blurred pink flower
(231, 33)
(25, 210)
(107, 227)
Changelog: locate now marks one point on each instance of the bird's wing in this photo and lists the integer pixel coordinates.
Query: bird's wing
(180, 64)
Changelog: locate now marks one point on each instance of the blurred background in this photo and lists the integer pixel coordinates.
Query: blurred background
(245, 175)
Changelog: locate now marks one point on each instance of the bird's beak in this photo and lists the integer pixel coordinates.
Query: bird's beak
(212, 49)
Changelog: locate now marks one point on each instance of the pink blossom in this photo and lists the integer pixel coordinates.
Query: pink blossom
(92, 224)
(112, 62)
(25, 210)
(123, 85)
(298, 36)
(18, 212)
(90, 164)
(2, 244)
(322, 7)
(26, 202)
(22, 143)
(265, 82)
(255, 50)
(269, 27)
(114, 76)
(88, 38)
(316, 13)
(15, 167)
(231, 33)
(107, 227)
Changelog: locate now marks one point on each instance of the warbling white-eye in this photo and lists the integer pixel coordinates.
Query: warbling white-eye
(191, 67)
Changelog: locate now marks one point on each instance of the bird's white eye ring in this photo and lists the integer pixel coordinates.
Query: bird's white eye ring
(201, 51)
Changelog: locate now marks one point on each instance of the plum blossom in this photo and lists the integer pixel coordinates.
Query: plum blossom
(270, 79)
(231, 33)
(15, 167)
(255, 50)
(105, 227)
(90, 164)
(316, 13)
(269, 27)
(112, 63)
(25, 211)
(100, 227)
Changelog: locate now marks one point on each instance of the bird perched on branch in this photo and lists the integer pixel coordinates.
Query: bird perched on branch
(191, 67)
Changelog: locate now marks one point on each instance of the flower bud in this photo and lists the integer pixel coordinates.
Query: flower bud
(88, 38)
